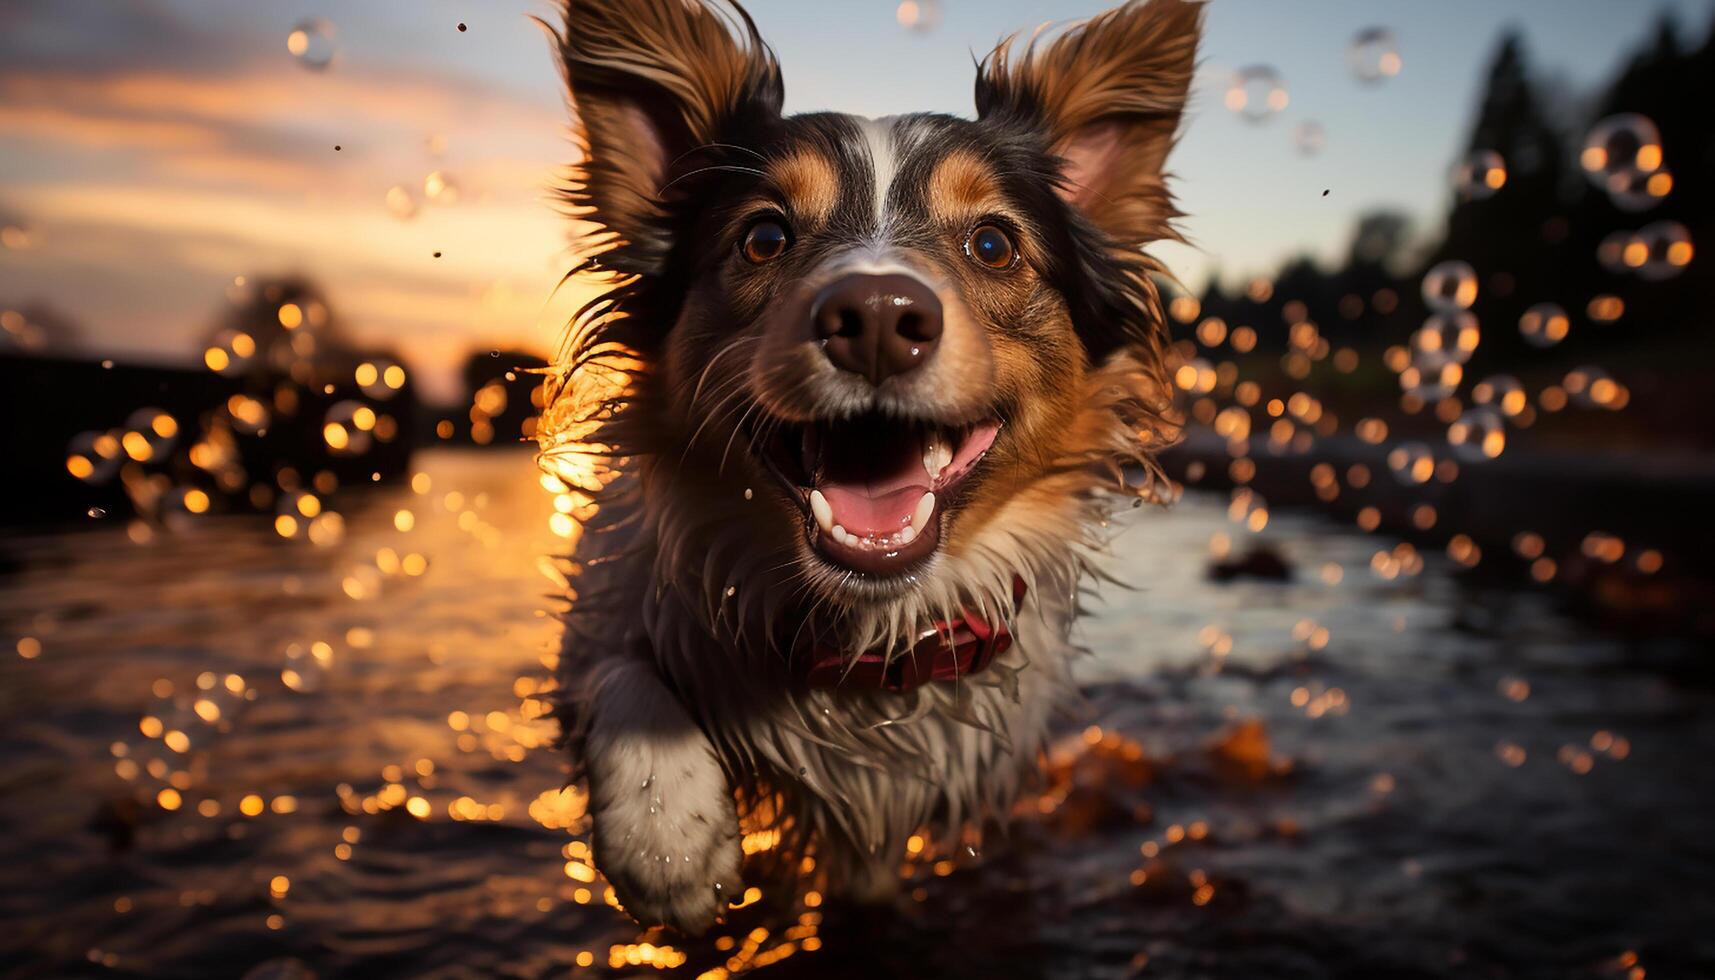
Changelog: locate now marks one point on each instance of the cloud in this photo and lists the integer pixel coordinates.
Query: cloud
(158, 156)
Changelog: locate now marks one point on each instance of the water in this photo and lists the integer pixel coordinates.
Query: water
(1368, 821)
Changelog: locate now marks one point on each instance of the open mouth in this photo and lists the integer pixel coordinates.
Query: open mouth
(875, 488)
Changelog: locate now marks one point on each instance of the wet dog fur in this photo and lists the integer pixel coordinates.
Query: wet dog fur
(700, 576)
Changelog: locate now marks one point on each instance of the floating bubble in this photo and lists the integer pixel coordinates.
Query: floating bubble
(94, 457)
(347, 428)
(401, 203)
(1411, 462)
(293, 513)
(362, 582)
(1454, 336)
(1374, 55)
(921, 16)
(1633, 192)
(440, 188)
(248, 415)
(1611, 253)
(1503, 392)
(1592, 387)
(239, 292)
(1196, 376)
(327, 529)
(230, 353)
(1480, 175)
(1665, 248)
(380, 378)
(219, 698)
(1479, 434)
(1309, 137)
(306, 663)
(1431, 376)
(1248, 507)
(171, 719)
(1621, 145)
(16, 331)
(312, 43)
(1450, 286)
(149, 435)
(180, 504)
(1256, 93)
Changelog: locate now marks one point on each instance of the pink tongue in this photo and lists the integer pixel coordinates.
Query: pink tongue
(861, 514)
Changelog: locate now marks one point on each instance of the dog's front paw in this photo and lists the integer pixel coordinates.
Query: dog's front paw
(667, 837)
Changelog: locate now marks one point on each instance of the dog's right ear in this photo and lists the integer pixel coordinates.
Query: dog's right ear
(653, 84)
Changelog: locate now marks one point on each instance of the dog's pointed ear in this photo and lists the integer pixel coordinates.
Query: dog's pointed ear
(652, 83)
(1107, 96)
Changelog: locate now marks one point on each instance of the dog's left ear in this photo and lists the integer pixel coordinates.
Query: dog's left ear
(1107, 95)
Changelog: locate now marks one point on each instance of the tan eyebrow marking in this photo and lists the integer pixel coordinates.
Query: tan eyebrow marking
(809, 181)
(960, 184)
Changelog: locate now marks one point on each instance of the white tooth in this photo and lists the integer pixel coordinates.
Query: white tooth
(840, 534)
(936, 456)
(908, 535)
(925, 510)
(824, 512)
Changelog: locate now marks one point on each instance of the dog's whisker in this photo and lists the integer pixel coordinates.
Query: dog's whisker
(712, 168)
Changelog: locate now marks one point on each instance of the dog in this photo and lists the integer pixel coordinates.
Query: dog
(844, 427)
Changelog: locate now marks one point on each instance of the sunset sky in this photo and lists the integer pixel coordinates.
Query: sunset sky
(151, 150)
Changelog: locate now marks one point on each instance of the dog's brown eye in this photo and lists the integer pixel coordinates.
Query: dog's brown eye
(764, 242)
(991, 246)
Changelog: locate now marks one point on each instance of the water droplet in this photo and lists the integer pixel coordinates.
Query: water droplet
(312, 43)
(1665, 249)
(1454, 336)
(1411, 462)
(441, 188)
(919, 15)
(1309, 137)
(1478, 435)
(401, 203)
(1450, 286)
(1620, 146)
(1480, 175)
(1431, 375)
(1374, 55)
(1544, 325)
(1256, 93)
(1504, 392)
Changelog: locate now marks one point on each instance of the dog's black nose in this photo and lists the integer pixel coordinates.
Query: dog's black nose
(878, 326)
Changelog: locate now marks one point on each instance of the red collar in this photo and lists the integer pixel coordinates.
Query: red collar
(946, 651)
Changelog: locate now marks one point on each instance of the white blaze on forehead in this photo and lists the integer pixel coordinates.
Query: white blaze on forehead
(878, 136)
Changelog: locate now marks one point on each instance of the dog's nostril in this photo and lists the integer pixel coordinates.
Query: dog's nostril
(914, 326)
(850, 323)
